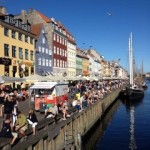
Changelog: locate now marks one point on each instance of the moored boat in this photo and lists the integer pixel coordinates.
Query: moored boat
(132, 92)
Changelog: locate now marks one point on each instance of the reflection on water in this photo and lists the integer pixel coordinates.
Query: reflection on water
(132, 144)
(90, 140)
(130, 106)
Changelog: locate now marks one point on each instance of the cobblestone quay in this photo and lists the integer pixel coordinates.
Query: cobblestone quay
(65, 134)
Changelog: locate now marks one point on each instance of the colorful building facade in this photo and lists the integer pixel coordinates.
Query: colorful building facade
(85, 64)
(78, 62)
(71, 56)
(43, 55)
(57, 38)
(17, 45)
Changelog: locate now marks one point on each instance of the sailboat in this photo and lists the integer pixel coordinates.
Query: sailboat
(133, 91)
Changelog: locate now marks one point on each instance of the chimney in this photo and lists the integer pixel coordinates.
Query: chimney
(3, 10)
(24, 16)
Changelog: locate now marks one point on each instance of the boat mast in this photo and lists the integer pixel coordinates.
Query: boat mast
(131, 59)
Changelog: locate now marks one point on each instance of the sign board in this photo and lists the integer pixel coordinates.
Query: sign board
(5, 61)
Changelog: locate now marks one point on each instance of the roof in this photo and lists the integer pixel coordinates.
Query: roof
(45, 18)
(67, 31)
(36, 29)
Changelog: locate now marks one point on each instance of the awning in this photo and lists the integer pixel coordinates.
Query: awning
(7, 79)
(35, 77)
(42, 85)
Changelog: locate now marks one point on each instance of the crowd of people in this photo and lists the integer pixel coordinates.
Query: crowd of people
(83, 94)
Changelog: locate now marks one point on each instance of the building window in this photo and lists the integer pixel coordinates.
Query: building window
(31, 40)
(60, 39)
(26, 38)
(26, 54)
(65, 42)
(65, 64)
(31, 55)
(43, 49)
(43, 62)
(39, 48)
(60, 51)
(54, 49)
(57, 38)
(50, 63)
(14, 51)
(32, 70)
(6, 49)
(20, 53)
(6, 31)
(39, 61)
(43, 31)
(46, 50)
(54, 37)
(43, 40)
(60, 63)
(50, 52)
(46, 62)
(13, 34)
(55, 62)
(6, 73)
(57, 50)
(20, 36)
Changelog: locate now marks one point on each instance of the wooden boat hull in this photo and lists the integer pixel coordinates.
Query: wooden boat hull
(131, 94)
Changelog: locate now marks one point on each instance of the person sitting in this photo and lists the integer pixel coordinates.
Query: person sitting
(21, 124)
(59, 105)
(63, 109)
(55, 111)
(65, 113)
(32, 120)
(49, 113)
(7, 130)
(76, 104)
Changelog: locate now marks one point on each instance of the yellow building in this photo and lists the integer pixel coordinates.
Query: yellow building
(71, 58)
(17, 47)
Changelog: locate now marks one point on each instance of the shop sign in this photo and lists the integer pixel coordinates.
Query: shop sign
(5, 61)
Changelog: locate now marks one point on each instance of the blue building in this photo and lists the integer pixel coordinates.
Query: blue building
(43, 54)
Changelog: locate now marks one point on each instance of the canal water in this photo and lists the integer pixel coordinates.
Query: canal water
(126, 126)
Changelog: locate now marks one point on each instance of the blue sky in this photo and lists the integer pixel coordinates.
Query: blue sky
(90, 24)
